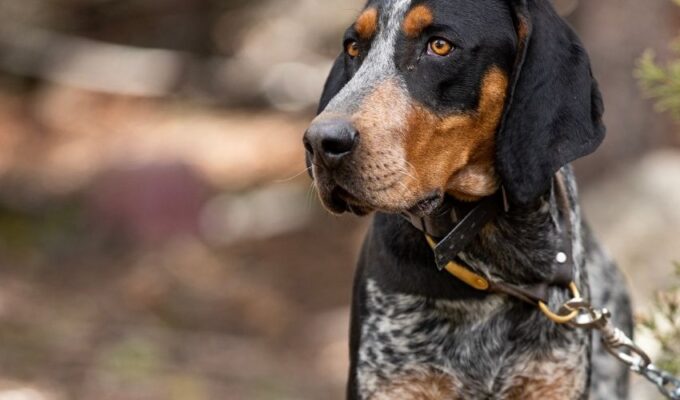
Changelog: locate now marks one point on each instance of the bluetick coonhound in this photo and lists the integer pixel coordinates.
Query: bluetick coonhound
(455, 122)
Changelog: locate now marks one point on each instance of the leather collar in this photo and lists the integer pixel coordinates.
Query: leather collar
(454, 225)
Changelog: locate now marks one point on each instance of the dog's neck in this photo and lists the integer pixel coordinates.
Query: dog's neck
(518, 247)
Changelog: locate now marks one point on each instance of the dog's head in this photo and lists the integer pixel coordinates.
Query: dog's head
(458, 97)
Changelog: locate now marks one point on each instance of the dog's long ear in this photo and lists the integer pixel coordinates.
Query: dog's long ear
(337, 79)
(554, 111)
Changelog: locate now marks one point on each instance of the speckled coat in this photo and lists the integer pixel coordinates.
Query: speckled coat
(455, 98)
(418, 333)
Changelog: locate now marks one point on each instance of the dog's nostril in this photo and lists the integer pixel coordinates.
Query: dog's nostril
(338, 145)
(330, 140)
(308, 145)
(340, 142)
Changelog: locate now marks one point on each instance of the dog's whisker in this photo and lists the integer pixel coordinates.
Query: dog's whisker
(310, 195)
(404, 187)
(406, 173)
(286, 180)
(406, 190)
(410, 165)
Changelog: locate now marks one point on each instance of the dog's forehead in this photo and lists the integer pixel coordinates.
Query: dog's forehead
(462, 13)
(379, 64)
(385, 22)
(385, 6)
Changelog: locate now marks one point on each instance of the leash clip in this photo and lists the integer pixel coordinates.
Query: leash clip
(620, 346)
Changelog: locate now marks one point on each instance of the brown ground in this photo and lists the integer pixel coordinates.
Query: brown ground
(118, 283)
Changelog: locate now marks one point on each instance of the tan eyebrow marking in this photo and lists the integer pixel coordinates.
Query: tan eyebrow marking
(419, 18)
(367, 23)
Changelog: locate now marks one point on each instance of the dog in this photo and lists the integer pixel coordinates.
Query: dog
(455, 122)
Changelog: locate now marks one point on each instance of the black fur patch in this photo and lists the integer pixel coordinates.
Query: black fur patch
(554, 114)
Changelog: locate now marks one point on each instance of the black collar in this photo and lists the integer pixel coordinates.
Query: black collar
(454, 225)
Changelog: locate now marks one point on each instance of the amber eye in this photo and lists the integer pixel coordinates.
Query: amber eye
(352, 49)
(440, 47)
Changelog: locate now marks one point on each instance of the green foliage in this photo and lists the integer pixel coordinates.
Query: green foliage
(661, 82)
(664, 325)
(133, 359)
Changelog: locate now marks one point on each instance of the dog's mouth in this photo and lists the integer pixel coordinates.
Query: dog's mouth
(427, 205)
(339, 199)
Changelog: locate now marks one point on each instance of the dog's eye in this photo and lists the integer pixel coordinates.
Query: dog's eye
(352, 49)
(440, 47)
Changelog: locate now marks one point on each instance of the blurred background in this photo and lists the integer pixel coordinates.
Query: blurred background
(159, 237)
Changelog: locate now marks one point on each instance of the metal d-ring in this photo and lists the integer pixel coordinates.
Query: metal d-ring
(566, 317)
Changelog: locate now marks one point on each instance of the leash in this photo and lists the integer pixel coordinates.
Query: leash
(576, 312)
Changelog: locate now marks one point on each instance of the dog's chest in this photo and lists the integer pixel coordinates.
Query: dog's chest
(414, 348)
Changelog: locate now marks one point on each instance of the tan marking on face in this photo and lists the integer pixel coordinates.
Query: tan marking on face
(367, 23)
(406, 151)
(374, 171)
(420, 386)
(379, 167)
(457, 152)
(419, 18)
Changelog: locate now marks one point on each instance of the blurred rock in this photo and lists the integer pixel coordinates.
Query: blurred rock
(256, 215)
(79, 135)
(17, 392)
(565, 7)
(329, 334)
(285, 55)
(615, 34)
(636, 213)
(186, 285)
(89, 64)
(150, 203)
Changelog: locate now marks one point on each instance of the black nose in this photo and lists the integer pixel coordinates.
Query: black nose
(330, 140)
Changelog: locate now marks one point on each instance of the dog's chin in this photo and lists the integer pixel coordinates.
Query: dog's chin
(338, 200)
(427, 205)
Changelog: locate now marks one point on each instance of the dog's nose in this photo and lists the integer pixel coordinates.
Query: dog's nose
(331, 140)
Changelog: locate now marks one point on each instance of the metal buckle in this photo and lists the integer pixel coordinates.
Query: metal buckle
(565, 314)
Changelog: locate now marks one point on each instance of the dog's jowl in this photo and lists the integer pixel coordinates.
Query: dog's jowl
(455, 122)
